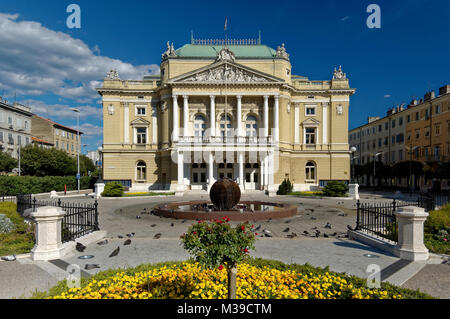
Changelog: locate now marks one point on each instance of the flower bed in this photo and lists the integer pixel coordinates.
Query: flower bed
(257, 279)
(137, 194)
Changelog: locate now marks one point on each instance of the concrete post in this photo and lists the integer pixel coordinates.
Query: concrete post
(99, 188)
(353, 191)
(48, 233)
(410, 245)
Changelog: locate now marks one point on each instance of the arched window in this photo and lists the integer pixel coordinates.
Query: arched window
(225, 126)
(251, 126)
(199, 126)
(310, 171)
(141, 171)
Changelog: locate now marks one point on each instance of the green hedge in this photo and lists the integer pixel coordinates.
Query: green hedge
(13, 185)
(113, 189)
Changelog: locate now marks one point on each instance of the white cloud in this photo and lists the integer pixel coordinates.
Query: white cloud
(387, 96)
(35, 60)
(345, 18)
(90, 130)
(62, 111)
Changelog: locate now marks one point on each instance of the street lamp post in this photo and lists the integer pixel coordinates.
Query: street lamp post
(353, 150)
(78, 147)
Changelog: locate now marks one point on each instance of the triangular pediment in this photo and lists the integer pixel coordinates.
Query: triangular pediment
(140, 121)
(310, 121)
(226, 72)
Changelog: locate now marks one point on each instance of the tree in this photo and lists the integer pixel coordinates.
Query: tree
(7, 163)
(86, 165)
(335, 189)
(216, 244)
(37, 161)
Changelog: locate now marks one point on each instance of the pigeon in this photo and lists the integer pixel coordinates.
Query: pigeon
(91, 266)
(334, 234)
(258, 228)
(325, 235)
(313, 218)
(115, 252)
(103, 242)
(157, 236)
(154, 225)
(294, 234)
(306, 233)
(328, 225)
(119, 236)
(172, 224)
(317, 235)
(287, 222)
(80, 247)
(342, 214)
(138, 217)
(9, 258)
(184, 221)
(127, 242)
(268, 235)
(317, 232)
(314, 228)
(349, 227)
(291, 236)
(286, 230)
(131, 235)
(266, 231)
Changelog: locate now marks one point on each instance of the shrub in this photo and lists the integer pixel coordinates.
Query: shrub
(13, 185)
(21, 239)
(335, 189)
(113, 189)
(216, 244)
(285, 187)
(438, 220)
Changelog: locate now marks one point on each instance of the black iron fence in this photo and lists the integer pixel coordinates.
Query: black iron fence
(433, 201)
(378, 219)
(80, 218)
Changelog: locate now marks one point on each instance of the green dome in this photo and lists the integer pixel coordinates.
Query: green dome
(211, 51)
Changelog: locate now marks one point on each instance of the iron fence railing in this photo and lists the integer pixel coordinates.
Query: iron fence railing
(80, 218)
(378, 219)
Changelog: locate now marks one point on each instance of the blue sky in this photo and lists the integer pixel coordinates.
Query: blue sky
(53, 68)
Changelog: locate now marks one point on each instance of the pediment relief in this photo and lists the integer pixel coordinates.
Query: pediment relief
(226, 71)
(311, 122)
(140, 121)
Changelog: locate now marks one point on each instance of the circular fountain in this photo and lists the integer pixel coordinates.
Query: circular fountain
(225, 198)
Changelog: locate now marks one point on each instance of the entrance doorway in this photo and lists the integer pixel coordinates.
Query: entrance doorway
(252, 176)
(198, 179)
(225, 170)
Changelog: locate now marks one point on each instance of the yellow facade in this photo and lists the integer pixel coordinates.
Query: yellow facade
(145, 141)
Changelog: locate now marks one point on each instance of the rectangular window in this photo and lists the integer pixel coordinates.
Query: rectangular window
(141, 110)
(400, 155)
(393, 139)
(67, 147)
(141, 134)
(437, 153)
(56, 131)
(386, 126)
(400, 121)
(62, 145)
(400, 138)
(393, 123)
(438, 109)
(408, 118)
(417, 134)
(10, 139)
(417, 116)
(27, 140)
(393, 156)
(57, 144)
(437, 130)
(310, 110)
(310, 136)
(19, 140)
(380, 127)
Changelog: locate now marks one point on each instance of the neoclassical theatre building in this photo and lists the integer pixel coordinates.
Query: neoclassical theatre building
(225, 108)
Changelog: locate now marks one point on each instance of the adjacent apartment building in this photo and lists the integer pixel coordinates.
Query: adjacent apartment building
(215, 103)
(15, 127)
(46, 132)
(419, 131)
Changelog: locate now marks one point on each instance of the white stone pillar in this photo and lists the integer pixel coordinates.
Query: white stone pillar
(48, 233)
(212, 116)
(180, 186)
(325, 123)
(176, 123)
(210, 170)
(410, 245)
(296, 124)
(241, 170)
(239, 115)
(266, 171)
(276, 112)
(262, 173)
(266, 115)
(185, 115)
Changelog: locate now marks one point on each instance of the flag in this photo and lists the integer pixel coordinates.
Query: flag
(226, 20)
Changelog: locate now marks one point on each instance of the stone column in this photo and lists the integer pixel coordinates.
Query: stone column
(48, 233)
(325, 123)
(210, 170)
(266, 171)
(180, 186)
(239, 115)
(276, 112)
(410, 220)
(266, 115)
(241, 170)
(175, 121)
(262, 173)
(212, 116)
(126, 123)
(185, 115)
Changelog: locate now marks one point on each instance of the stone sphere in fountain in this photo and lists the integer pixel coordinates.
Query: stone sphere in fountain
(225, 194)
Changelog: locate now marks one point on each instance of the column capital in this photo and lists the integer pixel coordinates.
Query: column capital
(174, 96)
(212, 97)
(276, 97)
(239, 97)
(185, 97)
(266, 97)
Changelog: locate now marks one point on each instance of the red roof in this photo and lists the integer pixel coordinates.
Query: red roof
(40, 141)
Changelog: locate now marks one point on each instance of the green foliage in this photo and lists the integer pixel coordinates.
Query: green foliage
(7, 163)
(285, 187)
(335, 189)
(86, 165)
(37, 161)
(217, 243)
(21, 239)
(437, 229)
(13, 185)
(113, 189)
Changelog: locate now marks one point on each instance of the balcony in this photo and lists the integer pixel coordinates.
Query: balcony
(220, 140)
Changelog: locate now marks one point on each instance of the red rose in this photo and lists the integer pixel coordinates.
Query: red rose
(245, 250)
(242, 227)
(220, 267)
(195, 233)
(256, 234)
